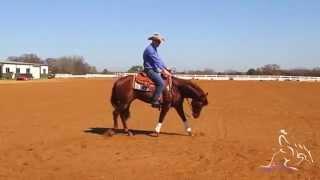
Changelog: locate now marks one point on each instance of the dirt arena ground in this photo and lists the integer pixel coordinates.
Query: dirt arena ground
(54, 130)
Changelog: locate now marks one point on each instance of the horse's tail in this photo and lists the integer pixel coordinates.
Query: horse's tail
(114, 101)
(119, 106)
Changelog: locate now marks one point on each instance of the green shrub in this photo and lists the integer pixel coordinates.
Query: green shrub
(7, 75)
(44, 76)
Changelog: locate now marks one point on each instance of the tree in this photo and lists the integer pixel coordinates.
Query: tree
(70, 64)
(136, 68)
(271, 69)
(232, 72)
(251, 72)
(208, 71)
(105, 71)
(93, 70)
(27, 58)
(316, 71)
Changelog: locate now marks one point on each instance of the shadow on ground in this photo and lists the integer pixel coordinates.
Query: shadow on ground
(103, 131)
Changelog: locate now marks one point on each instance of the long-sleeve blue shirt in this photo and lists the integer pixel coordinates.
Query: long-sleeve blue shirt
(151, 59)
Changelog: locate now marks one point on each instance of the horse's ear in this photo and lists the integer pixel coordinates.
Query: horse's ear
(207, 94)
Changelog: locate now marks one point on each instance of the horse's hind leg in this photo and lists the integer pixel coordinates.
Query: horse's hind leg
(115, 119)
(124, 117)
(112, 132)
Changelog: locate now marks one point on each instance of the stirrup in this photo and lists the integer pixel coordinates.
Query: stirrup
(156, 104)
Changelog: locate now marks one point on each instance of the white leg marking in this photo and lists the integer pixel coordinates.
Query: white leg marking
(186, 126)
(158, 127)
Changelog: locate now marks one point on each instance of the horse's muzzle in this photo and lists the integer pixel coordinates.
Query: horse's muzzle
(196, 115)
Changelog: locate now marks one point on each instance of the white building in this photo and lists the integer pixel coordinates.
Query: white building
(23, 68)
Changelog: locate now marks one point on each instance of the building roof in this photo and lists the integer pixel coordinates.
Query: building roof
(21, 63)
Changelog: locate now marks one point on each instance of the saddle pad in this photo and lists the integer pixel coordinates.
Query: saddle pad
(142, 78)
(141, 87)
(142, 82)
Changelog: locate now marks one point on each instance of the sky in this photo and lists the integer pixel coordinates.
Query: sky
(219, 35)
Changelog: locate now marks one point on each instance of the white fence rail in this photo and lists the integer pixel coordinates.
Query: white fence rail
(205, 77)
(85, 76)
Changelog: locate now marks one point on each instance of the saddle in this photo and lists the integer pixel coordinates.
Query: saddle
(142, 82)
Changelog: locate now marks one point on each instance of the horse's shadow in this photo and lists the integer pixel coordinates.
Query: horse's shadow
(104, 131)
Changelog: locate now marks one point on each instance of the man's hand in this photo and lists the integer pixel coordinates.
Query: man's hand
(169, 70)
(166, 73)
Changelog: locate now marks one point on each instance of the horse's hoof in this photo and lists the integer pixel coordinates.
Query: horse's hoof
(154, 134)
(130, 133)
(110, 133)
(190, 134)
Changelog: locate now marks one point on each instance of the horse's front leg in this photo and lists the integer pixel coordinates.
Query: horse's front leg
(180, 111)
(163, 113)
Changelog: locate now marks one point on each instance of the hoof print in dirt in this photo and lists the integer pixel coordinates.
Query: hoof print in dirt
(199, 134)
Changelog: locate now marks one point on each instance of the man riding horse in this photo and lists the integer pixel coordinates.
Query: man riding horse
(128, 88)
(154, 67)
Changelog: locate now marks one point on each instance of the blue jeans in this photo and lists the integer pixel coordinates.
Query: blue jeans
(157, 79)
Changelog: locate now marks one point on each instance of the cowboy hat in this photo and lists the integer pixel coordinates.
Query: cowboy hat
(156, 36)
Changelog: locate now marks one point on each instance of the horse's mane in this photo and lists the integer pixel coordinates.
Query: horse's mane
(196, 90)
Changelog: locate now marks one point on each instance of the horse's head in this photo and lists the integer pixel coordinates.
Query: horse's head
(197, 104)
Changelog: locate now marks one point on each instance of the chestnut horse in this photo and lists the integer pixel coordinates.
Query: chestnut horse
(123, 94)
